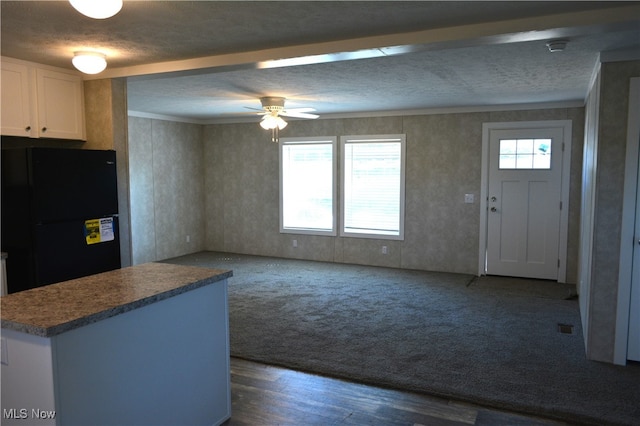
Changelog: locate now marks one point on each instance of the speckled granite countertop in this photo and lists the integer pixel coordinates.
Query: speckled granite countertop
(56, 308)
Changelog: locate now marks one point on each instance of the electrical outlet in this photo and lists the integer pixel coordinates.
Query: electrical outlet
(469, 198)
(188, 238)
(384, 249)
(295, 243)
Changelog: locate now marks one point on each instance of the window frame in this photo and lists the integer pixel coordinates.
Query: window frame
(519, 155)
(333, 140)
(344, 140)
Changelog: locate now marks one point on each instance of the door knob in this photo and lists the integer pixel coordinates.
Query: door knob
(493, 209)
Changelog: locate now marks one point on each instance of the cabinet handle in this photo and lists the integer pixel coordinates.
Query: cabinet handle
(44, 129)
(27, 129)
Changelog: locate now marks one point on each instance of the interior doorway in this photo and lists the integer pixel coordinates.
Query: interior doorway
(524, 210)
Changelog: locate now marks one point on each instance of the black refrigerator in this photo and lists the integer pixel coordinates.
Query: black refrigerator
(59, 215)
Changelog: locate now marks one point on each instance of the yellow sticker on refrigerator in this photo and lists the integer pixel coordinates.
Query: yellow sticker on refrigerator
(99, 230)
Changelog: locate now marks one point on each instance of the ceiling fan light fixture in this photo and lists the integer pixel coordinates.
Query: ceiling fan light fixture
(281, 123)
(97, 9)
(270, 122)
(266, 124)
(89, 62)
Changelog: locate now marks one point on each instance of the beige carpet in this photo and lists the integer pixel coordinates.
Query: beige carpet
(490, 340)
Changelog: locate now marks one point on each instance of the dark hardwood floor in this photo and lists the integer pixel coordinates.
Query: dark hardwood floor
(266, 395)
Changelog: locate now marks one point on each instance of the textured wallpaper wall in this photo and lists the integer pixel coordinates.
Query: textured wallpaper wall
(443, 164)
(609, 191)
(167, 189)
(217, 187)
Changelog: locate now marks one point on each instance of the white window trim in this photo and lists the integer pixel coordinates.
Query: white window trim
(374, 138)
(310, 140)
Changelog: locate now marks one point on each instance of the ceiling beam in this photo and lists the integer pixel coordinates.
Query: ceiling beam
(548, 27)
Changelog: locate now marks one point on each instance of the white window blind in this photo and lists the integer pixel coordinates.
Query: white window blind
(307, 185)
(373, 186)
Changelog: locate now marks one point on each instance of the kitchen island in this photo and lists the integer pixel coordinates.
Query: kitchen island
(144, 345)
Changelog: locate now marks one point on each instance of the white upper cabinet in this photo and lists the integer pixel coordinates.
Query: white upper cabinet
(16, 102)
(41, 103)
(60, 105)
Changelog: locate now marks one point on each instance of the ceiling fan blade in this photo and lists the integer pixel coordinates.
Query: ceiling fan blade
(296, 114)
(252, 114)
(294, 110)
(255, 109)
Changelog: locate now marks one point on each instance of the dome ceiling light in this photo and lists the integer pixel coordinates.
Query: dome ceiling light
(97, 9)
(89, 62)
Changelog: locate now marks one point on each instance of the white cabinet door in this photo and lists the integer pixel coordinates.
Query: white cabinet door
(16, 115)
(60, 105)
(41, 103)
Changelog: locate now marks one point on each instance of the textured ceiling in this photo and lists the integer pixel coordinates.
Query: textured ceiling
(461, 53)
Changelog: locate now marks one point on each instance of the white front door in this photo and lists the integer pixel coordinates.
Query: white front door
(524, 202)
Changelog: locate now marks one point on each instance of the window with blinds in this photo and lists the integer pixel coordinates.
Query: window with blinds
(372, 186)
(308, 185)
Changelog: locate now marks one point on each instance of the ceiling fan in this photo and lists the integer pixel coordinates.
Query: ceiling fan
(273, 110)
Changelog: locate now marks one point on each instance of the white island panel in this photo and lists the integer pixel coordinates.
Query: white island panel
(27, 380)
(143, 345)
(164, 364)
